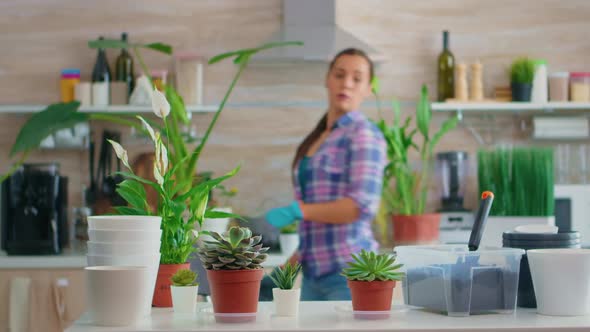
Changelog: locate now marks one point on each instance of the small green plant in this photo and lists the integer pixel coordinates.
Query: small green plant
(235, 250)
(369, 266)
(522, 71)
(289, 229)
(284, 277)
(184, 277)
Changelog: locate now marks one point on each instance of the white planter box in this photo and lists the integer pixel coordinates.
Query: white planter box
(286, 301)
(496, 226)
(289, 243)
(184, 299)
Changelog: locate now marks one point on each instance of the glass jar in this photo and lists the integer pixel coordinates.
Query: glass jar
(580, 87)
(188, 67)
(559, 86)
(67, 84)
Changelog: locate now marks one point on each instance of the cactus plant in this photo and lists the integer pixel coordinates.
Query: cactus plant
(369, 266)
(284, 277)
(184, 277)
(236, 249)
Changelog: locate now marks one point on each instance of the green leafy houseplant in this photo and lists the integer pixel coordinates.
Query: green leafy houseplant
(522, 179)
(236, 250)
(369, 266)
(522, 71)
(184, 277)
(409, 193)
(284, 277)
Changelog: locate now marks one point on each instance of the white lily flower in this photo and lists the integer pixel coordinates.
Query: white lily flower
(163, 158)
(121, 153)
(158, 175)
(160, 105)
(148, 128)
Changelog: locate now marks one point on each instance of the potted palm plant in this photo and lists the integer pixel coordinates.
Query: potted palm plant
(371, 279)
(522, 73)
(185, 290)
(405, 187)
(285, 297)
(234, 271)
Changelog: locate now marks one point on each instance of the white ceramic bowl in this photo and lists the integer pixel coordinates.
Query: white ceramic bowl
(152, 262)
(118, 235)
(560, 279)
(116, 294)
(122, 248)
(139, 223)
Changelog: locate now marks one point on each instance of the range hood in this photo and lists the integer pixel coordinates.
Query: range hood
(314, 23)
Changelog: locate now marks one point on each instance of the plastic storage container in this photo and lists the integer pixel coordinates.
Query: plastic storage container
(452, 279)
(189, 67)
(559, 86)
(69, 78)
(539, 93)
(580, 87)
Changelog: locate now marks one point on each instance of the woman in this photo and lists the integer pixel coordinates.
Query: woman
(338, 175)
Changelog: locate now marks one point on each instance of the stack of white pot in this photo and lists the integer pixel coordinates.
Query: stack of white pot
(126, 241)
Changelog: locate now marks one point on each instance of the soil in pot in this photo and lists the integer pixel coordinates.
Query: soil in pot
(162, 294)
(235, 294)
(418, 229)
(371, 296)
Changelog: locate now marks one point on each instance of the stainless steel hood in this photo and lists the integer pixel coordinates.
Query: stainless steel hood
(314, 23)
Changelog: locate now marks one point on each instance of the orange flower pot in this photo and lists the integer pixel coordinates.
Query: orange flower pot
(162, 293)
(235, 292)
(371, 296)
(418, 229)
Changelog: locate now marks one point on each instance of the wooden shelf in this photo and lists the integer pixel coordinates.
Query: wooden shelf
(508, 107)
(23, 109)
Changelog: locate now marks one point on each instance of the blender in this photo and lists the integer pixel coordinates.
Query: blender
(456, 221)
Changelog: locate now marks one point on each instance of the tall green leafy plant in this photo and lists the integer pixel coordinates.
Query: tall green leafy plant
(522, 71)
(522, 179)
(405, 189)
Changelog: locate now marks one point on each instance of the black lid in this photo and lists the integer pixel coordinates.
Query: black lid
(452, 155)
(561, 236)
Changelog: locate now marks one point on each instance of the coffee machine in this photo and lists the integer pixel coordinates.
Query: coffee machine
(456, 221)
(34, 211)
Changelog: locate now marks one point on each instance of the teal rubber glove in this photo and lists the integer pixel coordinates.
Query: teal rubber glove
(284, 216)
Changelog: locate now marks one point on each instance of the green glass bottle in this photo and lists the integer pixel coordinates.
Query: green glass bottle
(124, 67)
(446, 71)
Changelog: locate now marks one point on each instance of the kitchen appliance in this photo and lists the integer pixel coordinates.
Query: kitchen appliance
(34, 210)
(572, 207)
(456, 221)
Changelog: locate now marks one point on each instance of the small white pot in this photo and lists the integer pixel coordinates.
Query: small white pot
(286, 301)
(184, 299)
(560, 279)
(289, 243)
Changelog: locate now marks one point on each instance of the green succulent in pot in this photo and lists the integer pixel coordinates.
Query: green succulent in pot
(235, 250)
(184, 277)
(284, 277)
(369, 266)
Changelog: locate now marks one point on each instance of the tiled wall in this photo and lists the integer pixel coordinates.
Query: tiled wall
(38, 38)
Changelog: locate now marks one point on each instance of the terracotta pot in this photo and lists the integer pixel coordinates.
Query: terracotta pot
(162, 294)
(235, 292)
(371, 296)
(418, 229)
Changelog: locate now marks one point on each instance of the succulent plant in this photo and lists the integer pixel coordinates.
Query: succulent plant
(284, 277)
(184, 277)
(369, 266)
(236, 249)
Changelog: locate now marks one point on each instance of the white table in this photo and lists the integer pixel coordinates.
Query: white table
(324, 316)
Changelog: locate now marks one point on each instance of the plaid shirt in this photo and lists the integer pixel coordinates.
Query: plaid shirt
(350, 164)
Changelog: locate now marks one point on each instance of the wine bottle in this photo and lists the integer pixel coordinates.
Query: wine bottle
(124, 67)
(446, 71)
(101, 71)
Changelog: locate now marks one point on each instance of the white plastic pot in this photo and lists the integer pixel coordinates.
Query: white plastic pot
(152, 262)
(119, 235)
(560, 280)
(184, 299)
(214, 225)
(289, 243)
(116, 294)
(286, 301)
(122, 248)
(138, 223)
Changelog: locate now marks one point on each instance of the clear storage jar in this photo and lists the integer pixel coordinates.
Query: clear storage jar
(580, 86)
(559, 86)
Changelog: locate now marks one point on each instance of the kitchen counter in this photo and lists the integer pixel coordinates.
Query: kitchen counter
(335, 316)
(77, 259)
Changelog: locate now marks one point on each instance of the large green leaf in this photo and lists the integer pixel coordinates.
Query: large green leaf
(55, 117)
(242, 54)
(134, 193)
(423, 113)
(447, 126)
(117, 43)
(160, 47)
(130, 211)
(212, 214)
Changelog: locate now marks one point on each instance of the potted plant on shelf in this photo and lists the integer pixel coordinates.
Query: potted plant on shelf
(286, 298)
(289, 239)
(371, 279)
(523, 180)
(185, 290)
(522, 73)
(233, 263)
(405, 188)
